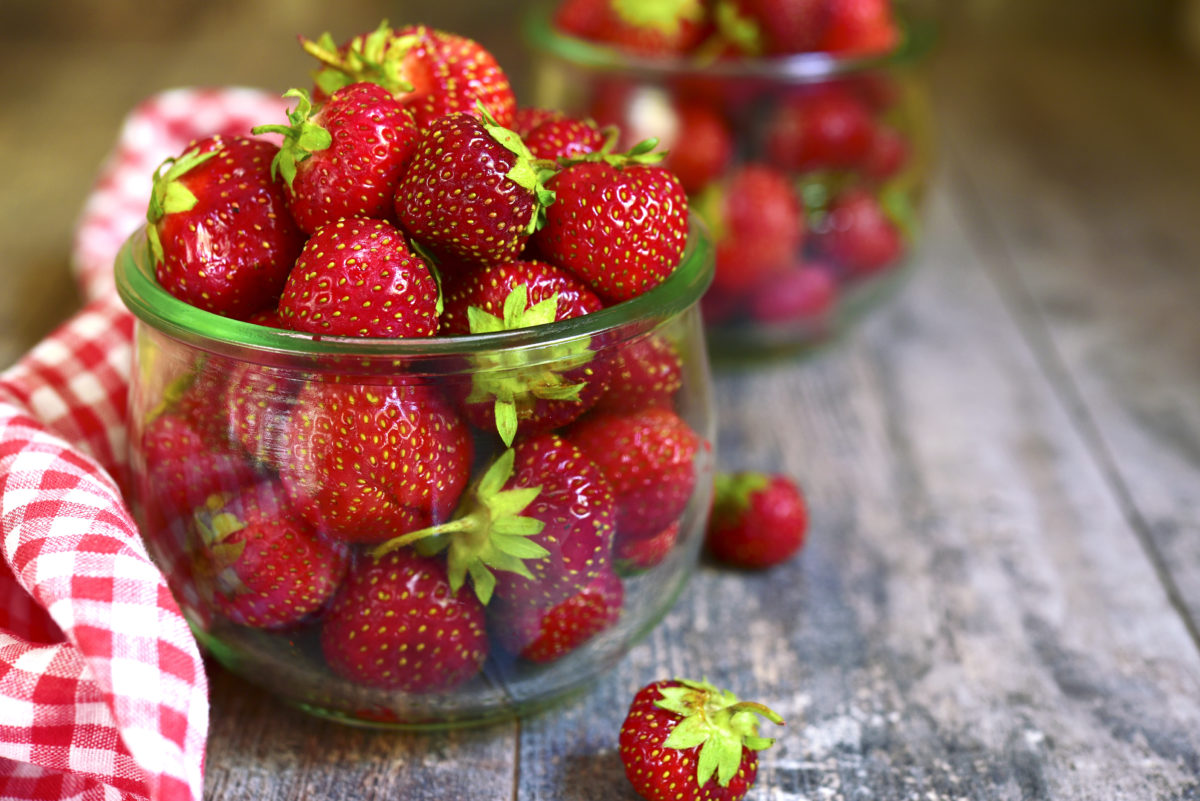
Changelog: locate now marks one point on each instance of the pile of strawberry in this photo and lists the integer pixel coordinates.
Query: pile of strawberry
(808, 186)
(408, 528)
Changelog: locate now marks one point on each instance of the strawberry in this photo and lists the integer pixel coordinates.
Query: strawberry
(344, 158)
(689, 741)
(702, 149)
(829, 128)
(772, 27)
(658, 29)
(758, 226)
(268, 570)
(805, 294)
(433, 72)
(395, 624)
(888, 154)
(472, 189)
(619, 222)
(645, 372)
(757, 520)
(534, 530)
(635, 556)
(255, 405)
(357, 277)
(857, 236)
(365, 463)
(647, 457)
(505, 394)
(564, 138)
(860, 28)
(220, 235)
(541, 634)
(526, 118)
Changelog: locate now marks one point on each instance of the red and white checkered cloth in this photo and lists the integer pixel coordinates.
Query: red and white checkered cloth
(102, 690)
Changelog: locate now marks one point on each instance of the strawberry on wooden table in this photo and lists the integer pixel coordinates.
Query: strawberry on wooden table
(357, 277)
(220, 234)
(690, 741)
(619, 221)
(758, 519)
(396, 624)
(344, 157)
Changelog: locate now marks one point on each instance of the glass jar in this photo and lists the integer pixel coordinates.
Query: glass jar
(279, 477)
(810, 171)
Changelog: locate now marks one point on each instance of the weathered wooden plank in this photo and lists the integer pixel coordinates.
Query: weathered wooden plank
(1090, 178)
(972, 617)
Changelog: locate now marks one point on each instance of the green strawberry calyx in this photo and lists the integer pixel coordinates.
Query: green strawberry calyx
(717, 722)
(643, 153)
(737, 29)
(376, 57)
(526, 172)
(665, 16)
(168, 195)
(301, 137)
(215, 526)
(732, 491)
(489, 534)
(512, 376)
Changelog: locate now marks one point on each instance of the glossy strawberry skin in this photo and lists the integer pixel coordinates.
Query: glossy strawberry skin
(645, 372)
(357, 277)
(762, 529)
(620, 229)
(231, 252)
(486, 287)
(452, 73)
(372, 135)
(648, 458)
(632, 556)
(365, 463)
(395, 624)
(273, 571)
(543, 635)
(455, 195)
(563, 138)
(643, 732)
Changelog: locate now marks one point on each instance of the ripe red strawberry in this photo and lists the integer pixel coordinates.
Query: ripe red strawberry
(540, 634)
(772, 27)
(220, 234)
(829, 128)
(648, 458)
(804, 294)
(618, 222)
(472, 189)
(647, 29)
(365, 462)
(184, 466)
(564, 138)
(702, 148)
(888, 154)
(758, 226)
(357, 277)
(689, 741)
(395, 624)
(343, 158)
(526, 118)
(635, 556)
(255, 407)
(857, 236)
(487, 288)
(860, 28)
(541, 516)
(758, 520)
(645, 372)
(266, 569)
(433, 72)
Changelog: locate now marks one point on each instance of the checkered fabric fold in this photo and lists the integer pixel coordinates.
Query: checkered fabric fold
(102, 689)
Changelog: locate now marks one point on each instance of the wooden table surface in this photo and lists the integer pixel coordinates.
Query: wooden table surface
(1000, 597)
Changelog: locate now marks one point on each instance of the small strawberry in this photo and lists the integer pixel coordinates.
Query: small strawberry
(757, 521)
(343, 158)
(703, 147)
(635, 556)
(519, 392)
(860, 28)
(534, 530)
(365, 463)
(546, 634)
(433, 72)
(829, 128)
(619, 221)
(804, 294)
(268, 570)
(689, 741)
(472, 189)
(645, 372)
(648, 458)
(564, 138)
(357, 277)
(220, 234)
(395, 624)
(857, 235)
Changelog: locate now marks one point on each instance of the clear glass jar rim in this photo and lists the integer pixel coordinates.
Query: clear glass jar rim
(917, 36)
(144, 296)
